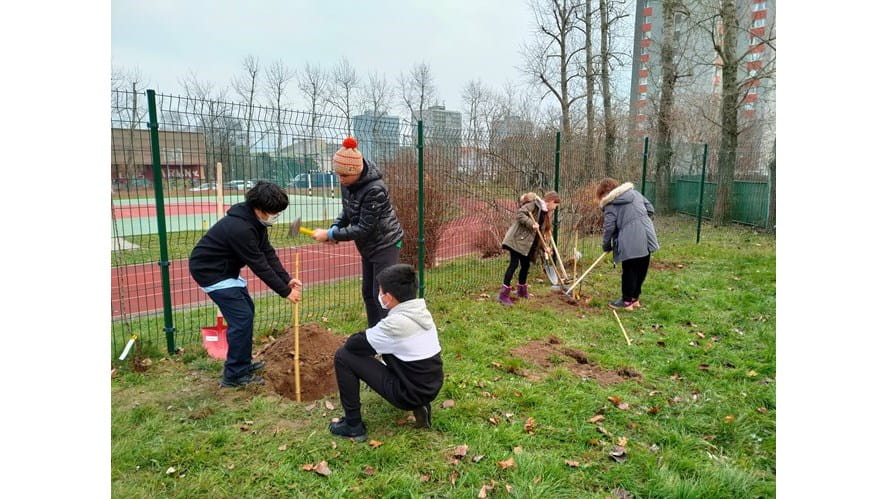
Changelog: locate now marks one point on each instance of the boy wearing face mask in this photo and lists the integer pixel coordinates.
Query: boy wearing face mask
(411, 372)
(241, 239)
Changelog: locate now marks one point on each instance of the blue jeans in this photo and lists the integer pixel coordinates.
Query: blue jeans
(238, 309)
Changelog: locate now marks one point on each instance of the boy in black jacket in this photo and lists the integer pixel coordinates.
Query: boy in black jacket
(238, 239)
(412, 372)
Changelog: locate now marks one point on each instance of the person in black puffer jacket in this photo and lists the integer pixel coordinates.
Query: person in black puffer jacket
(368, 219)
(237, 240)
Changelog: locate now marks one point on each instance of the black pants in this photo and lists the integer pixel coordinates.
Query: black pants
(634, 271)
(238, 309)
(372, 265)
(524, 261)
(352, 367)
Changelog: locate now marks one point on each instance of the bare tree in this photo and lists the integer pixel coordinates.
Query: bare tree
(277, 80)
(246, 87)
(588, 32)
(549, 58)
(213, 117)
(725, 25)
(344, 85)
(377, 95)
(664, 116)
(417, 90)
(128, 84)
(474, 93)
(611, 11)
(313, 84)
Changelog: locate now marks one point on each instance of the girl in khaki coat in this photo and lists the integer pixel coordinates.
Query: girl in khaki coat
(522, 240)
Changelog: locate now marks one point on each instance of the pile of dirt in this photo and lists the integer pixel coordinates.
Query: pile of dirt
(550, 353)
(317, 347)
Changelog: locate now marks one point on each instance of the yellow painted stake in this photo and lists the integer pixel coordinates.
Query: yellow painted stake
(622, 328)
(296, 339)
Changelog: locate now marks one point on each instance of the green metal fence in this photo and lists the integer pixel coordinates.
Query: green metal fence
(455, 190)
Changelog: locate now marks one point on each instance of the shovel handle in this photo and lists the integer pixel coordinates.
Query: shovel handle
(587, 271)
(296, 340)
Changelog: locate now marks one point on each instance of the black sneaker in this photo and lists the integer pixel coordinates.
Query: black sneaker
(255, 366)
(342, 429)
(621, 304)
(247, 379)
(423, 416)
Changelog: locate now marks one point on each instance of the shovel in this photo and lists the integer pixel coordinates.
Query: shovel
(547, 265)
(593, 265)
(215, 338)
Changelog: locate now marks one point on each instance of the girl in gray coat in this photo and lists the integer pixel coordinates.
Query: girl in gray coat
(629, 234)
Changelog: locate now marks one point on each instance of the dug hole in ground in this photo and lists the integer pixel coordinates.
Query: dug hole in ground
(317, 348)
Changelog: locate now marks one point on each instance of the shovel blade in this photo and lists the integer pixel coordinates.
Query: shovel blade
(550, 272)
(215, 340)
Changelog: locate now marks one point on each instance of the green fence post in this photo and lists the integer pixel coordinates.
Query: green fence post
(161, 223)
(557, 179)
(701, 191)
(644, 169)
(421, 149)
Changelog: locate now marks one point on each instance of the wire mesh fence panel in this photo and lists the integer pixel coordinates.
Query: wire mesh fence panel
(212, 152)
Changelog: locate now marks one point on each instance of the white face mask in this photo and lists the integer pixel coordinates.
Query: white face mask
(384, 307)
(271, 219)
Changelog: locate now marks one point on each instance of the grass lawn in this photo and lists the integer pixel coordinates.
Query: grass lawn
(697, 418)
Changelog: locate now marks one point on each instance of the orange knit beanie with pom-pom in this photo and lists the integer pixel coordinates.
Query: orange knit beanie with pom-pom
(348, 160)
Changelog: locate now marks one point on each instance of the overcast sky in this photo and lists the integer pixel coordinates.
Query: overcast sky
(461, 40)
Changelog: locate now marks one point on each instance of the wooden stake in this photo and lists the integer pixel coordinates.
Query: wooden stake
(296, 339)
(621, 327)
(575, 260)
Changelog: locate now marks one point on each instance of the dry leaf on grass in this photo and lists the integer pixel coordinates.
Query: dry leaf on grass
(477, 458)
(752, 373)
(518, 450)
(460, 451)
(425, 477)
(595, 419)
(508, 463)
(618, 454)
(653, 410)
(530, 425)
(729, 419)
(369, 470)
(624, 406)
(494, 420)
(615, 400)
(572, 464)
(762, 410)
(453, 476)
(307, 467)
(329, 405)
(282, 447)
(483, 491)
(170, 470)
(376, 444)
(447, 404)
(322, 468)
(622, 441)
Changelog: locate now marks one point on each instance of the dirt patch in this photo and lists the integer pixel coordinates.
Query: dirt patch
(317, 347)
(660, 265)
(550, 353)
(548, 298)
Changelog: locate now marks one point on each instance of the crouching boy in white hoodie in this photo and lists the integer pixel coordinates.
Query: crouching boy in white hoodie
(412, 372)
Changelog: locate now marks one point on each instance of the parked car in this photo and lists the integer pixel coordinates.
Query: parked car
(203, 187)
(316, 180)
(240, 185)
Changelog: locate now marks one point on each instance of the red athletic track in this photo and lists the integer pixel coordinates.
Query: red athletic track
(140, 285)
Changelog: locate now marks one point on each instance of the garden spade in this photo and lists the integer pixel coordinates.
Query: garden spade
(215, 338)
(547, 266)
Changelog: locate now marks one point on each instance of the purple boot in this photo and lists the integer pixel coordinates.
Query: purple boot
(522, 291)
(505, 295)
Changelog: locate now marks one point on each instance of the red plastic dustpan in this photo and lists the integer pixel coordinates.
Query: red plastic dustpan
(215, 339)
